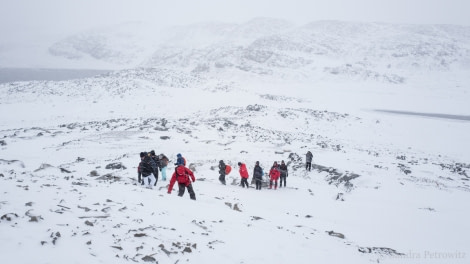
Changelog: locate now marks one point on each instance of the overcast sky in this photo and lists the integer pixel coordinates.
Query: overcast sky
(65, 16)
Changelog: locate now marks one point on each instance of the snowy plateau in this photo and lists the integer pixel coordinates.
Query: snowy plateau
(384, 108)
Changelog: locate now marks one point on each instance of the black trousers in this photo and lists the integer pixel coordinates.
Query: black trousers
(182, 187)
(222, 178)
(308, 166)
(258, 184)
(244, 182)
(283, 179)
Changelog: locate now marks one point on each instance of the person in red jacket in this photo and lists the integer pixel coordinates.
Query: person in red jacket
(183, 176)
(244, 174)
(274, 174)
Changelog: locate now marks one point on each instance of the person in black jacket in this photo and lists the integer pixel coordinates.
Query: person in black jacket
(157, 163)
(222, 172)
(258, 175)
(284, 173)
(308, 159)
(146, 170)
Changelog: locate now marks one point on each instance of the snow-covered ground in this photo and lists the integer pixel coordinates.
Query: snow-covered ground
(385, 187)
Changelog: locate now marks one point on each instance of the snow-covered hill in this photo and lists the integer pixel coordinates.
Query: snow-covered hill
(331, 50)
(384, 52)
(384, 188)
(386, 120)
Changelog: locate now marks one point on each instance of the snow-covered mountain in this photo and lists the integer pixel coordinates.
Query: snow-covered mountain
(384, 52)
(386, 120)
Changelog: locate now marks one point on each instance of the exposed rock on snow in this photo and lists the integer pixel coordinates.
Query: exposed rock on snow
(380, 251)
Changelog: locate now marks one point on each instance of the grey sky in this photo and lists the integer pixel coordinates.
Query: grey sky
(65, 16)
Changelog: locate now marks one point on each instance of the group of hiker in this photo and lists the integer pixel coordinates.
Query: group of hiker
(276, 173)
(149, 167)
(151, 164)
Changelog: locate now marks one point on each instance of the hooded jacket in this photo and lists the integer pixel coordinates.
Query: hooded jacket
(258, 172)
(274, 173)
(182, 175)
(309, 156)
(221, 167)
(243, 171)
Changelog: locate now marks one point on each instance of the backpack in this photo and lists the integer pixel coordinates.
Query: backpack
(146, 168)
(163, 160)
(228, 169)
(181, 178)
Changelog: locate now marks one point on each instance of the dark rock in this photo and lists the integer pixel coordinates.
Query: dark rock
(403, 168)
(192, 167)
(43, 166)
(34, 218)
(8, 216)
(84, 208)
(380, 251)
(335, 234)
(109, 177)
(235, 207)
(64, 170)
(339, 197)
(55, 237)
(164, 137)
(187, 250)
(115, 166)
(149, 259)
(94, 173)
(80, 183)
(3, 143)
(255, 107)
(162, 247)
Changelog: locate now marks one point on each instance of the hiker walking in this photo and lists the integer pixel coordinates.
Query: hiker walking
(244, 174)
(222, 172)
(309, 158)
(183, 176)
(284, 174)
(163, 164)
(258, 175)
(146, 170)
(274, 174)
(157, 162)
(180, 160)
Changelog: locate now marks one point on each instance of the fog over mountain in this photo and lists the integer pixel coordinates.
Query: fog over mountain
(385, 52)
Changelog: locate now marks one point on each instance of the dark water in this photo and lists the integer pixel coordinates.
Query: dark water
(434, 115)
(20, 74)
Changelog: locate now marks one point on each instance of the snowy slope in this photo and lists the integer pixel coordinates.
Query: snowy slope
(385, 187)
(381, 189)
